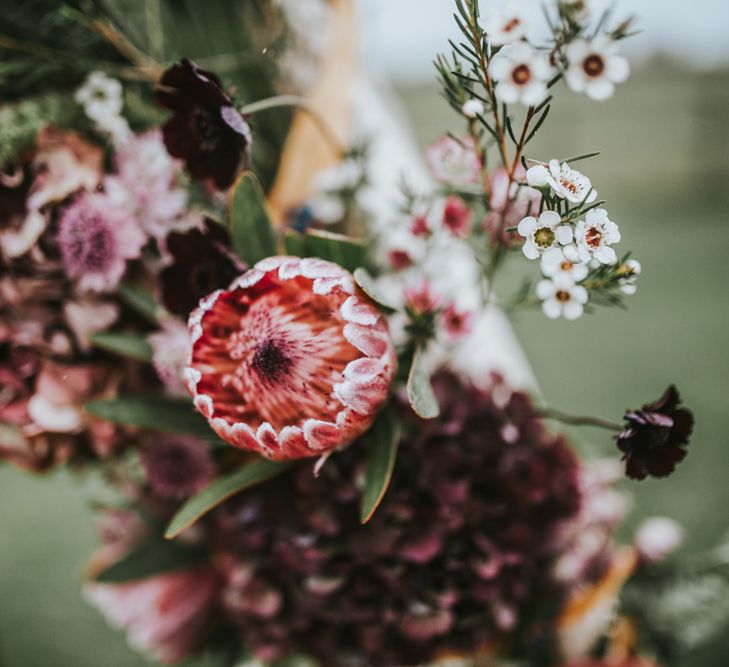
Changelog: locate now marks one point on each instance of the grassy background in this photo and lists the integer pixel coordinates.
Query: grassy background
(664, 170)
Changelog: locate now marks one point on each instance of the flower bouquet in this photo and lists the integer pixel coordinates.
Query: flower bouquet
(202, 301)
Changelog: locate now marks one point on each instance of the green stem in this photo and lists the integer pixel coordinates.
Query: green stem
(279, 101)
(572, 420)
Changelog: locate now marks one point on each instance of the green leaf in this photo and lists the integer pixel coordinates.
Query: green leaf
(367, 285)
(153, 557)
(343, 250)
(384, 437)
(420, 393)
(154, 412)
(251, 231)
(140, 301)
(124, 344)
(222, 489)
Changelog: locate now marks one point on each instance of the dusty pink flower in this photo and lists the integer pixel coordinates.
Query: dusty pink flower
(166, 616)
(454, 161)
(96, 239)
(456, 323)
(146, 186)
(170, 349)
(456, 216)
(291, 360)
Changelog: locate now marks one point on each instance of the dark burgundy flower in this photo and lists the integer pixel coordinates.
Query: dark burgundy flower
(206, 130)
(177, 466)
(654, 438)
(459, 551)
(203, 262)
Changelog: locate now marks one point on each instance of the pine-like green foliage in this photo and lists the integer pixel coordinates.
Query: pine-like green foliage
(49, 47)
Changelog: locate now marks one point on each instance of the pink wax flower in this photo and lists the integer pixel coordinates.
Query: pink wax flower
(454, 161)
(292, 360)
(96, 239)
(509, 205)
(421, 299)
(166, 616)
(399, 259)
(457, 216)
(456, 323)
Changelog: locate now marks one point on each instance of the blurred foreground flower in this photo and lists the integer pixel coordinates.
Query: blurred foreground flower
(206, 130)
(464, 539)
(291, 360)
(655, 436)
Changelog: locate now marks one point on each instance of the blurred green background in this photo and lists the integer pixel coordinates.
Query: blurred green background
(664, 170)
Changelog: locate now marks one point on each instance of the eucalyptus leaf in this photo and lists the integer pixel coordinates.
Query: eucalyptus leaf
(367, 285)
(153, 412)
(140, 301)
(251, 230)
(420, 392)
(221, 489)
(152, 557)
(383, 439)
(343, 250)
(124, 344)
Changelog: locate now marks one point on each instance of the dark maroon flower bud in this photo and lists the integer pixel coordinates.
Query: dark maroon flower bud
(654, 438)
(177, 466)
(203, 262)
(206, 130)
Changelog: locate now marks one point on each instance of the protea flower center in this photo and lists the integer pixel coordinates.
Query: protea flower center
(290, 361)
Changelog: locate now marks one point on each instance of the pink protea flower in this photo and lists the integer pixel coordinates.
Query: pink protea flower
(454, 161)
(96, 239)
(291, 360)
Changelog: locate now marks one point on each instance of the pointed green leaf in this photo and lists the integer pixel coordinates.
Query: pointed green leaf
(141, 301)
(154, 412)
(150, 558)
(420, 393)
(384, 437)
(124, 344)
(221, 489)
(251, 230)
(367, 284)
(343, 250)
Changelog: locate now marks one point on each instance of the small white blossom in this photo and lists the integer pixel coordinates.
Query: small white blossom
(327, 208)
(629, 274)
(565, 182)
(584, 10)
(102, 100)
(562, 298)
(521, 73)
(595, 67)
(100, 96)
(556, 264)
(473, 108)
(346, 175)
(657, 537)
(594, 235)
(544, 235)
(508, 24)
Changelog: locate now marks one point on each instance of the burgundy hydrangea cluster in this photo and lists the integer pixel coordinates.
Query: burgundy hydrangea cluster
(463, 542)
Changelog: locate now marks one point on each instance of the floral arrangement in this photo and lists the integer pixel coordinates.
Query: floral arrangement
(306, 475)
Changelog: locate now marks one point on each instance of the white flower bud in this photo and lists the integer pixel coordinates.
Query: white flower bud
(657, 537)
(472, 108)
